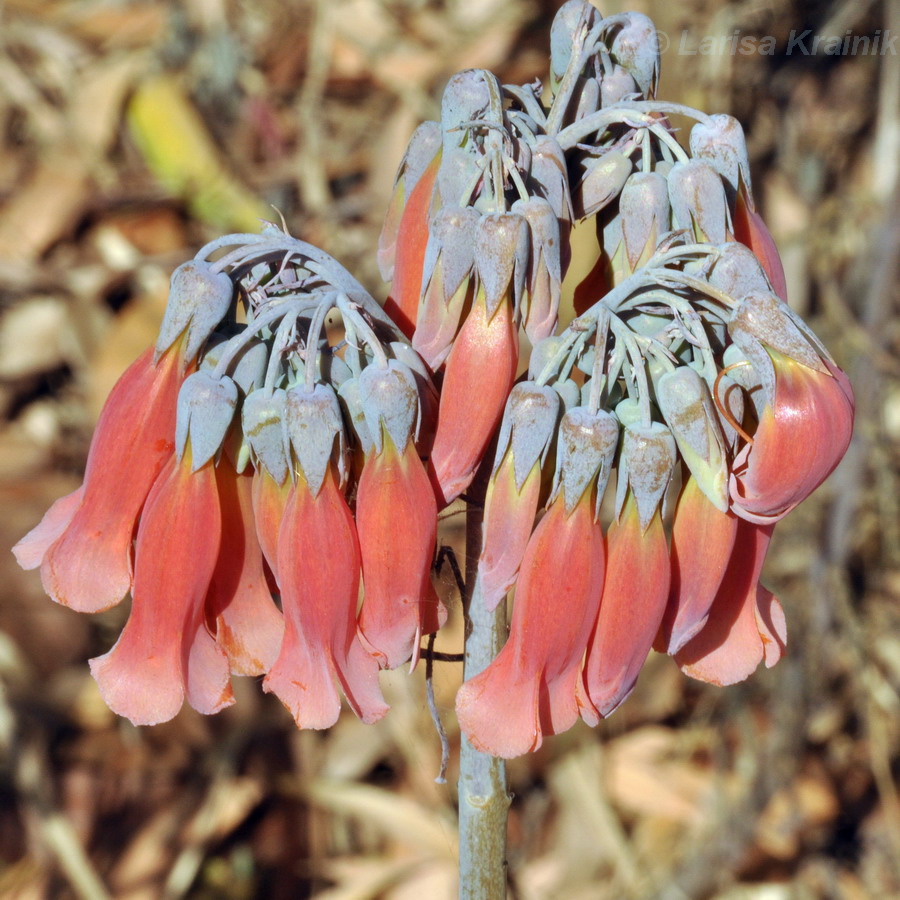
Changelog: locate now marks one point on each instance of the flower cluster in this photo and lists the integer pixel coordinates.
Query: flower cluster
(288, 437)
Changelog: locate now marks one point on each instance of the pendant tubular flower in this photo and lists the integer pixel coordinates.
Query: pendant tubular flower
(636, 588)
(165, 651)
(89, 567)
(751, 231)
(529, 424)
(746, 624)
(529, 690)
(402, 305)
(702, 543)
(447, 285)
(481, 369)
(318, 567)
(806, 424)
(247, 624)
(423, 146)
(396, 515)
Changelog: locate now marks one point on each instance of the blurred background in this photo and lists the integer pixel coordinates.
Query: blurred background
(132, 131)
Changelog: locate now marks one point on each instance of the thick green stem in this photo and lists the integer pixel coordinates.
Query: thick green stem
(483, 796)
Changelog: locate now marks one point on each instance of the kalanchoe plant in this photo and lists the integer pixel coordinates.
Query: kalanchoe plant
(250, 471)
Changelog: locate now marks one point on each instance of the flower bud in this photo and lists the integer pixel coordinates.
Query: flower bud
(644, 207)
(601, 184)
(636, 48)
(199, 299)
(698, 200)
(720, 142)
(423, 146)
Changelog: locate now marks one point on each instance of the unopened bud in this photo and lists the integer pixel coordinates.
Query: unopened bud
(698, 200)
(199, 299)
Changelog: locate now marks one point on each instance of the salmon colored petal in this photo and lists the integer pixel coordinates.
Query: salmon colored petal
(437, 321)
(412, 238)
(480, 372)
(319, 564)
(751, 231)
(154, 664)
(396, 518)
(89, 567)
(702, 541)
(634, 600)
(746, 623)
(529, 690)
(772, 626)
(269, 502)
(30, 551)
(797, 443)
(248, 625)
(508, 520)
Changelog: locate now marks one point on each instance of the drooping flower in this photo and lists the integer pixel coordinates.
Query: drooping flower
(247, 624)
(703, 538)
(637, 574)
(89, 565)
(807, 413)
(165, 652)
(412, 238)
(745, 624)
(531, 689)
(511, 502)
(318, 566)
(396, 516)
(484, 357)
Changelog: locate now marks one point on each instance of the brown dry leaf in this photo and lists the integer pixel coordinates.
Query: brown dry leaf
(645, 777)
(47, 206)
(363, 878)
(400, 818)
(795, 814)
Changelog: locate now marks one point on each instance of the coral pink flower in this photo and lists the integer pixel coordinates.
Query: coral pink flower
(269, 501)
(800, 439)
(751, 231)
(702, 542)
(396, 517)
(318, 570)
(746, 623)
(412, 238)
(634, 599)
(239, 607)
(508, 518)
(165, 651)
(480, 371)
(31, 550)
(89, 566)
(529, 690)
